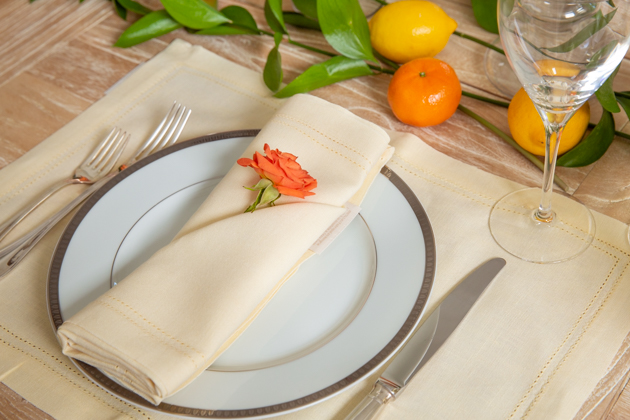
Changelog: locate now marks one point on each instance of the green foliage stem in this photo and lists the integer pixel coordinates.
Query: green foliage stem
(511, 141)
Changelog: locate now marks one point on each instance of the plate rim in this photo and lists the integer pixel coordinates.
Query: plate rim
(103, 381)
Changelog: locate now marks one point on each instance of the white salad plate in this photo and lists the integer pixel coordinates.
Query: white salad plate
(341, 316)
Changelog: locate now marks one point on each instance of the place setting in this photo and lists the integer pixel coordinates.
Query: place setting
(240, 248)
(333, 299)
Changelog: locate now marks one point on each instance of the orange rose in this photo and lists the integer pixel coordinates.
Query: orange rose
(283, 171)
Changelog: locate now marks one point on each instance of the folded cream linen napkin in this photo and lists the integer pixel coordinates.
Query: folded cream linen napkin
(172, 317)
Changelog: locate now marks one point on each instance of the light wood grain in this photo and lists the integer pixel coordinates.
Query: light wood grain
(57, 59)
(14, 407)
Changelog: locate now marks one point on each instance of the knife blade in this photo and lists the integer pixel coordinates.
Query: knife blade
(417, 351)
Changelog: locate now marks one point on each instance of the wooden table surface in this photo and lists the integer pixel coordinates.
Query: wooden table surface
(57, 59)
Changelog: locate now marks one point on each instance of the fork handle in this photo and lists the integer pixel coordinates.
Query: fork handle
(15, 252)
(8, 226)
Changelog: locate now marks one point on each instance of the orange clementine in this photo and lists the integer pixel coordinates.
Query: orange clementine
(424, 92)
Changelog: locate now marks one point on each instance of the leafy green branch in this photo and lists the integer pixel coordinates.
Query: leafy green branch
(345, 28)
(343, 25)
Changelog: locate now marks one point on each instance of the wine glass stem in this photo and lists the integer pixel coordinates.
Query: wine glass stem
(544, 212)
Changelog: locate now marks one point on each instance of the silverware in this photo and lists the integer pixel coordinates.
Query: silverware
(416, 352)
(98, 164)
(166, 134)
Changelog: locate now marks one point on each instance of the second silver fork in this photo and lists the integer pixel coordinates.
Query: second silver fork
(166, 134)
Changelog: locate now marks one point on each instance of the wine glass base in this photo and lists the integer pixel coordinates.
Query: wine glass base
(500, 73)
(516, 229)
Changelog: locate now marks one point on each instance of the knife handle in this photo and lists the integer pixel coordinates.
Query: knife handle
(371, 404)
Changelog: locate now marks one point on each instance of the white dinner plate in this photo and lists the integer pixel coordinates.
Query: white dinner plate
(342, 315)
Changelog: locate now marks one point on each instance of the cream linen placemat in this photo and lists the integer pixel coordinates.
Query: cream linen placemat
(535, 346)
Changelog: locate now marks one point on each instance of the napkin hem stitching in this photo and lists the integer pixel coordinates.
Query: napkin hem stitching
(155, 326)
(568, 336)
(557, 368)
(33, 345)
(71, 381)
(339, 142)
(439, 185)
(99, 302)
(258, 98)
(323, 145)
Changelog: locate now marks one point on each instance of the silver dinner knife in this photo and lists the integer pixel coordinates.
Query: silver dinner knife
(415, 353)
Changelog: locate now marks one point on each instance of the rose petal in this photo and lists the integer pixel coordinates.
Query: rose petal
(245, 161)
(290, 191)
(310, 185)
(271, 168)
(276, 179)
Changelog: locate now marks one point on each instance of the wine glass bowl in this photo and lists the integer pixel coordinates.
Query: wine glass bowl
(562, 51)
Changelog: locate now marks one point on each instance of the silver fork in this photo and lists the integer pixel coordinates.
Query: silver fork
(98, 164)
(166, 134)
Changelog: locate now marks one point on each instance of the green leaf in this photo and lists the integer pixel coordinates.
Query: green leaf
(625, 104)
(307, 7)
(240, 16)
(606, 95)
(269, 195)
(252, 207)
(486, 14)
(134, 7)
(121, 11)
(272, 73)
(345, 27)
(150, 26)
(594, 60)
(261, 185)
(273, 15)
(593, 146)
(301, 21)
(599, 22)
(277, 38)
(227, 29)
(195, 14)
(323, 74)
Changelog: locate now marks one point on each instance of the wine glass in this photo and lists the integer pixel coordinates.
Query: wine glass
(561, 58)
(499, 72)
(497, 66)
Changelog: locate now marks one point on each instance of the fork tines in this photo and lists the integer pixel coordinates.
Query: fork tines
(104, 157)
(167, 132)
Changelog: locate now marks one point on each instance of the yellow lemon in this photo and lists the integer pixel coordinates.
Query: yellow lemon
(410, 29)
(551, 67)
(528, 129)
